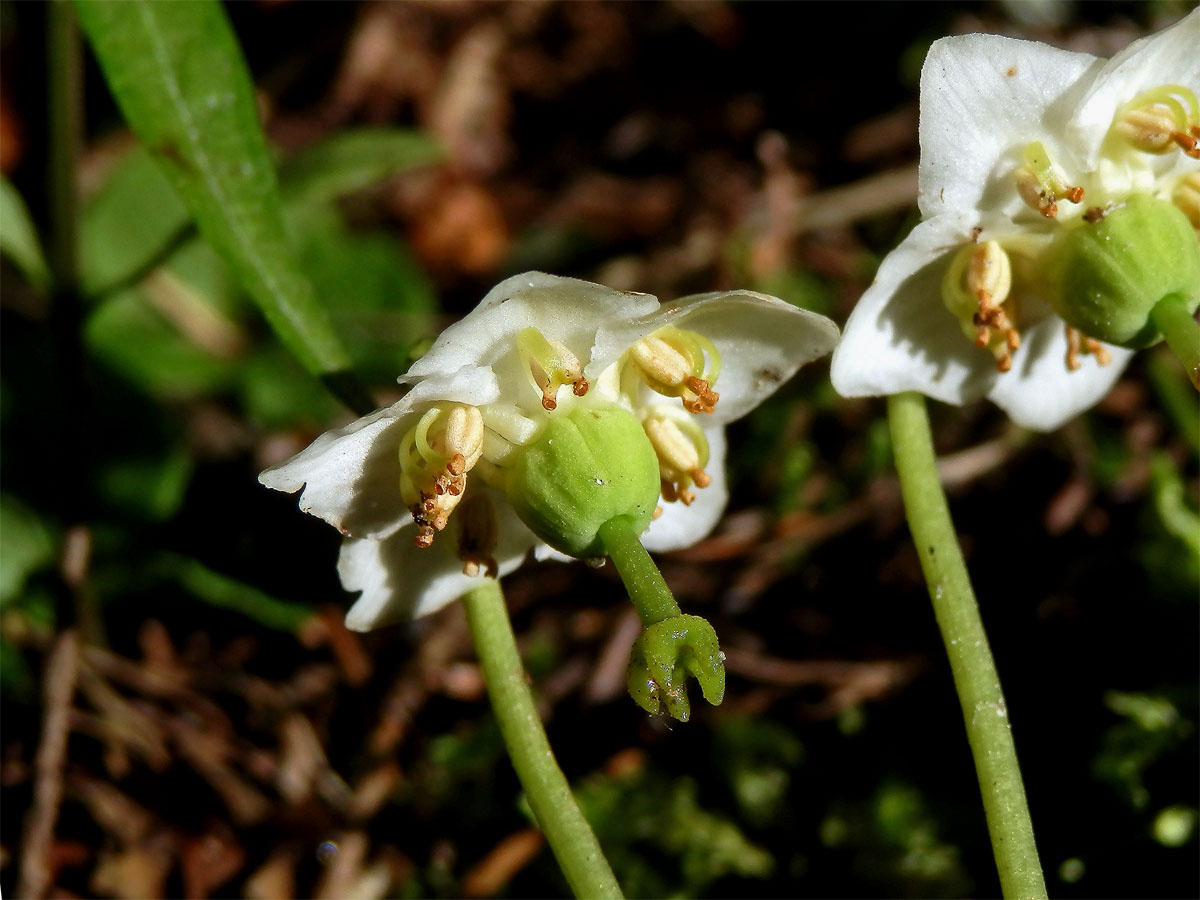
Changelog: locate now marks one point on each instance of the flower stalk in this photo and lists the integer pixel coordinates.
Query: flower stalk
(672, 647)
(974, 670)
(1172, 316)
(647, 589)
(571, 838)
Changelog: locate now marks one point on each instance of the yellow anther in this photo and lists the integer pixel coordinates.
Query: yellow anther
(463, 437)
(679, 363)
(1039, 183)
(1161, 120)
(477, 536)
(435, 456)
(682, 453)
(550, 365)
(977, 289)
(1187, 197)
(1077, 343)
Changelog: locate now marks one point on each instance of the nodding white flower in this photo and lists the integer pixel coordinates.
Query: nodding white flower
(1020, 144)
(421, 490)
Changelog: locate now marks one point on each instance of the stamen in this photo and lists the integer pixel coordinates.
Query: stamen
(976, 289)
(1077, 344)
(551, 365)
(1039, 183)
(672, 492)
(678, 363)
(1187, 197)
(435, 456)
(682, 452)
(477, 536)
(1161, 120)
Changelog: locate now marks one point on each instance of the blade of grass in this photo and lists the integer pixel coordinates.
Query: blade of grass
(179, 77)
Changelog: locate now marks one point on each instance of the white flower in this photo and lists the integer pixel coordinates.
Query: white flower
(538, 346)
(1019, 143)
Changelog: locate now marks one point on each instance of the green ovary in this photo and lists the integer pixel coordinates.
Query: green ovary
(585, 468)
(1107, 276)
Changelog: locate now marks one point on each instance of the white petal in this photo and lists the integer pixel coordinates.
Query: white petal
(1039, 392)
(976, 117)
(681, 526)
(1170, 57)
(543, 552)
(900, 336)
(566, 310)
(351, 476)
(762, 341)
(400, 581)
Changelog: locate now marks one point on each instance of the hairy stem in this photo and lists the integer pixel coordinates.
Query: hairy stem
(571, 838)
(643, 581)
(975, 676)
(1173, 316)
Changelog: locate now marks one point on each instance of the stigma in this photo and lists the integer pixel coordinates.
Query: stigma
(1040, 184)
(977, 290)
(682, 452)
(551, 366)
(675, 362)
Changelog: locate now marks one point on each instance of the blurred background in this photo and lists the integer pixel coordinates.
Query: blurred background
(180, 698)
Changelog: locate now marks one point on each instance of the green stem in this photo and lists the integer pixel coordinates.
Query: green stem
(64, 138)
(65, 71)
(975, 676)
(1173, 316)
(1173, 396)
(571, 838)
(643, 581)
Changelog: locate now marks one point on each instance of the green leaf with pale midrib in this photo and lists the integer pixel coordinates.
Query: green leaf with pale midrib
(179, 77)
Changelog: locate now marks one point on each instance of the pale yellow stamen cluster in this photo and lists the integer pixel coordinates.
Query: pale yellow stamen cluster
(551, 365)
(678, 363)
(1161, 120)
(977, 289)
(682, 454)
(435, 457)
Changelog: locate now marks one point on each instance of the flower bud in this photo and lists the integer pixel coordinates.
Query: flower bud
(1106, 276)
(585, 468)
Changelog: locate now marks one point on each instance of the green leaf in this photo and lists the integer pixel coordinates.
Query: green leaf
(382, 299)
(179, 78)
(229, 593)
(275, 393)
(150, 485)
(127, 224)
(176, 335)
(18, 237)
(353, 160)
(28, 546)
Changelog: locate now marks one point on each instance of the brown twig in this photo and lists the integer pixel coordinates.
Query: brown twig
(882, 193)
(62, 670)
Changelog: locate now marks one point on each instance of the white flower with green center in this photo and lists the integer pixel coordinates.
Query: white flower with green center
(552, 407)
(1035, 163)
